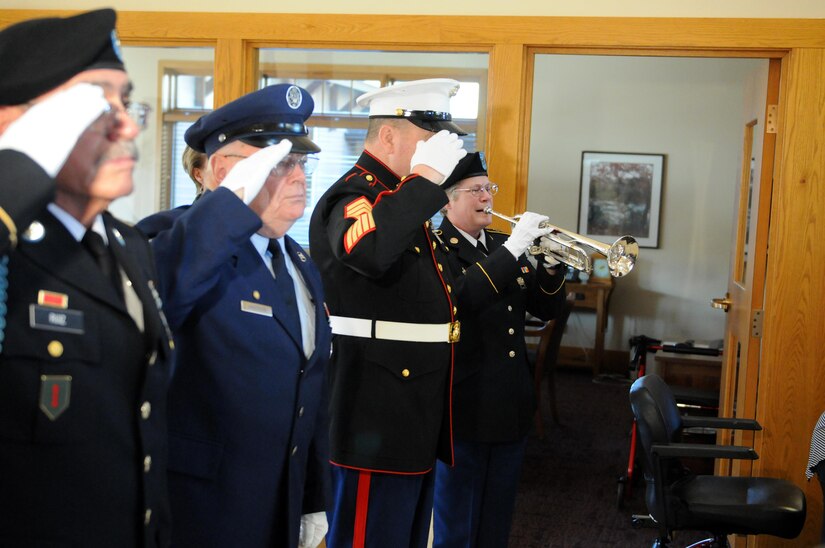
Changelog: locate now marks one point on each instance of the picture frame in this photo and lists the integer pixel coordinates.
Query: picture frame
(621, 194)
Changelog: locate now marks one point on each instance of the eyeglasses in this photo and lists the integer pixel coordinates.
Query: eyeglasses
(288, 164)
(137, 112)
(491, 189)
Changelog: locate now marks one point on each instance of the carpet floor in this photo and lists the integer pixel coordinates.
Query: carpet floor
(568, 490)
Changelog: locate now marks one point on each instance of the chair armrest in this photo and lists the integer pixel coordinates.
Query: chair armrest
(704, 450)
(689, 421)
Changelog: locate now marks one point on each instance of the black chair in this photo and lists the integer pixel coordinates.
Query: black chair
(679, 500)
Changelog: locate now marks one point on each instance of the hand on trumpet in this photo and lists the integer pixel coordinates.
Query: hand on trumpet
(525, 232)
(552, 245)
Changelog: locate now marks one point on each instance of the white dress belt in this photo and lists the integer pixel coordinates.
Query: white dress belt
(396, 331)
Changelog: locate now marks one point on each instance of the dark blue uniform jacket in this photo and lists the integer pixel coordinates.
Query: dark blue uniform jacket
(82, 393)
(247, 410)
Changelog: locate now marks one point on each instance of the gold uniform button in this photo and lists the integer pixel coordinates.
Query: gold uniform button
(55, 349)
(369, 178)
(145, 410)
(455, 310)
(405, 373)
(440, 268)
(511, 331)
(418, 250)
(509, 308)
(153, 358)
(434, 245)
(256, 294)
(454, 240)
(147, 517)
(171, 344)
(449, 288)
(147, 463)
(512, 353)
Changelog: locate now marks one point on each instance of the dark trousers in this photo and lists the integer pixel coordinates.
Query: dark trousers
(378, 510)
(474, 501)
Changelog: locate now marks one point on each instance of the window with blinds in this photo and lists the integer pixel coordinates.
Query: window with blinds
(338, 125)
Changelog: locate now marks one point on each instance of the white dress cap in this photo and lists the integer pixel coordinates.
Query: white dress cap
(431, 94)
(425, 103)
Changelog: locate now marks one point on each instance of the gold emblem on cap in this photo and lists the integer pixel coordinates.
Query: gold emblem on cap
(399, 112)
(55, 349)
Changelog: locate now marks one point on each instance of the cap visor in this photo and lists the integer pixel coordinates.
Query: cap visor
(437, 125)
(300, 143)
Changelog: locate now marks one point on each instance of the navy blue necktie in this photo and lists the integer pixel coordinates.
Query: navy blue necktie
(480, 247)
(286, 287)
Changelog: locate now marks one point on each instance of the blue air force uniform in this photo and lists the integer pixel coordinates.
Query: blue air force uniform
(248, 439)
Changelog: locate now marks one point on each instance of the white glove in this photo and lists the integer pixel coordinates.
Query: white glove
(48, 131)
(549, 261)
(441, 152)
(312, 530)
(247, 177)
(525, 233)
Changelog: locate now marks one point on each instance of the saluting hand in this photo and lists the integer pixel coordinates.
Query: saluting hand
(441, 153)
(247, 177)
(48, 131)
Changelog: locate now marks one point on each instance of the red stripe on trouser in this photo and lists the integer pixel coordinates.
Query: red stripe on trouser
(362, 501)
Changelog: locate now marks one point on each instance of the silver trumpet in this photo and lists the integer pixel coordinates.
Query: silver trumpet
(575, 249)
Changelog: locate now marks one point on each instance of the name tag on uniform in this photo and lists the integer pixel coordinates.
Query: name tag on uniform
(54, 319)
(256, 308)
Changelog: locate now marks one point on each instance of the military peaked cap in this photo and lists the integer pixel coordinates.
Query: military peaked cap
(260, 119)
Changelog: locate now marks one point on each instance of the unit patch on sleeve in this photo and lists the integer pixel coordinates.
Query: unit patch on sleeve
(360, 210)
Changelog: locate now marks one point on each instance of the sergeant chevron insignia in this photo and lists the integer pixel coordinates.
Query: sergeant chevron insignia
(359, 209)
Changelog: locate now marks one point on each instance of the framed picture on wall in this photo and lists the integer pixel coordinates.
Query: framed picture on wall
(621, 194)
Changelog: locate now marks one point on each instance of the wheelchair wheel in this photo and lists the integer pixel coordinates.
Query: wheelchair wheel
(621, 489)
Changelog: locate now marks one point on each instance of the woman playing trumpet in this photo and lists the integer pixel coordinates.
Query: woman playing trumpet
(493, 400)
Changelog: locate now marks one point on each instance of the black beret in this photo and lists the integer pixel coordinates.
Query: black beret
(472, 165)
(40, 54)
(260, 119)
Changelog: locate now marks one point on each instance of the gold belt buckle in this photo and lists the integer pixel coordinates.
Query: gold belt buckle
(455, 331)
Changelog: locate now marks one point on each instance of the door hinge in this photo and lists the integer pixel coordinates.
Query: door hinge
(770, 124)
(756, 324)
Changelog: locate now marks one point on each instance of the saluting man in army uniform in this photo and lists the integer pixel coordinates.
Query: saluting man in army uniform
(248, 452)
(84, 364)
(493, 399)
(393, 317)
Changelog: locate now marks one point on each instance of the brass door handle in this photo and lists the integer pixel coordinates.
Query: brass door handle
(722, 303)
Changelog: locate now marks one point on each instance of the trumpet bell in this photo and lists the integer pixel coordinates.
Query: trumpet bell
(621, 257)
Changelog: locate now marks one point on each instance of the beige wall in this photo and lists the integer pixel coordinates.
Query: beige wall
(688, 109)
(609, 8)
